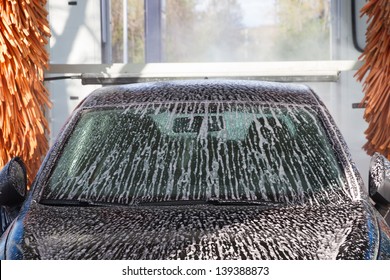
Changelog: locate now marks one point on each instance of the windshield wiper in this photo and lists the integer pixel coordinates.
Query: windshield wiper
(169, 202)
(217, 202)
(243, 202)
(77, 202)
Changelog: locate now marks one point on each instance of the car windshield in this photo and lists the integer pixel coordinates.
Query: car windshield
(195, 152)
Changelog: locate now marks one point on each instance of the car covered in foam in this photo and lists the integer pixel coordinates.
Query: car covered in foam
(197, 170)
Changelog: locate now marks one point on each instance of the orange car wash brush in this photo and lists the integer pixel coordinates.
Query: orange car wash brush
(24, 32)
(375, 72)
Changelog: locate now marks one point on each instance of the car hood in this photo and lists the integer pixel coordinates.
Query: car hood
(197, 232)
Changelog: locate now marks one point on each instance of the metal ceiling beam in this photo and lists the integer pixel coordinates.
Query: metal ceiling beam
(291, 71)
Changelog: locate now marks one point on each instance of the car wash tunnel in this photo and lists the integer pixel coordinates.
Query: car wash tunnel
(195, 130)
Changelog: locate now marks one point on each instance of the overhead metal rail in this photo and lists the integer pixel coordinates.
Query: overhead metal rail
(291, 71)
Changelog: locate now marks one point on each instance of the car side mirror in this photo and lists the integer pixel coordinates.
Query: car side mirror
(13, 183)
(379, 179)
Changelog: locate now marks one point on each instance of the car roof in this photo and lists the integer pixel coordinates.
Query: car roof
(202, 90)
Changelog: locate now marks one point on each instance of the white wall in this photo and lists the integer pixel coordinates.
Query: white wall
(76, 39)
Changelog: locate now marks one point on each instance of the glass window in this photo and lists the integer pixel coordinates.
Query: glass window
(135, 43)
(225, 30)
(187, 151)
